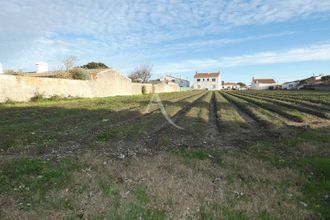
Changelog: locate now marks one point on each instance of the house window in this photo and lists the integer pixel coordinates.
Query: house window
(213, 80)
(213, 86)
(198, 86)
(198, 80)
(208, 79)
(203, 80)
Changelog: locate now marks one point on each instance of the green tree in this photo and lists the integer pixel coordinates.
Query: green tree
(326, 79)
(241, 84)
(94, 65)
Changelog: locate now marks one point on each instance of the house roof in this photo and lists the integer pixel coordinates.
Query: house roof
(314, 81)
(206, 75)
(263, 81)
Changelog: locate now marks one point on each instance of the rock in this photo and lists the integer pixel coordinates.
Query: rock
(121, 156)
(304, 204)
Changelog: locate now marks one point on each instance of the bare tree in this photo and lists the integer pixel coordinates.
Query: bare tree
(142, 73)
(70, 62)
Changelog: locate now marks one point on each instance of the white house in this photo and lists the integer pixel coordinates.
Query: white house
(1, 70)
(208, 81)
(42, 67)
(291, 85)
(231, 86)
(261, 84)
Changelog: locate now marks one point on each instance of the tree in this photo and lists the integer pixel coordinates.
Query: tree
(325, 79)
(142, 73)
(94, 65)
(241, 84)
(70, 62)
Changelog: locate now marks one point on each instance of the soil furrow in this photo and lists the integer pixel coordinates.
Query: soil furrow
(213, 116)
(151, 139)
(245, 115)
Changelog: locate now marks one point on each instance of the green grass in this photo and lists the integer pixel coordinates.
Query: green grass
(189, 154)
(136, 208)
(214, 211)
(31, 179)
(316, 189)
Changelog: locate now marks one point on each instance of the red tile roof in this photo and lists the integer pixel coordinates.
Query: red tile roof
(206, 75)
(264, 81)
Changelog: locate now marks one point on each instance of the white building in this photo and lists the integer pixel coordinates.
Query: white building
(1, 70)
(291, 85)
(181, 82)
(42, 67)
(208, 81)
(262, 84)
(231, 86)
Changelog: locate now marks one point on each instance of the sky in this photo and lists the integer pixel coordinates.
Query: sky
(284, 39)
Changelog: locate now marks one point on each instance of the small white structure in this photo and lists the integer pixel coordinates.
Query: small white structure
(1, 70)
(231, 86)
(42, 67)
(290, 85)
(208, 81)
(183, 83)
(262, 84)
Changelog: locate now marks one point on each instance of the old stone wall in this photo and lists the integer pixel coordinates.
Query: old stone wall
(105, 83)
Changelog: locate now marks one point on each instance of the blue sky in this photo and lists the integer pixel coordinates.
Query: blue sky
(285, 40)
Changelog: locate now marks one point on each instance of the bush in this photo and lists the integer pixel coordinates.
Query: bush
(37, 97)
(11, 72)
(95, 65)
(80, 74)
(144, 90)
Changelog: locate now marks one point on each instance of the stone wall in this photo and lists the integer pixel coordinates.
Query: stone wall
(137, 88)
(105, 83)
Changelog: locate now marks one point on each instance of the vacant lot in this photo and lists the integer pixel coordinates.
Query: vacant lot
(240, 155)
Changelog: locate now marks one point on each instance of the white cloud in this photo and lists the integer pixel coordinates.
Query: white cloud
(118, 26)
(317, 52)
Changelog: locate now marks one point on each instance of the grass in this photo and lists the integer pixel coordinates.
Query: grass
(59, 159)
(29, 180)
(230, 118)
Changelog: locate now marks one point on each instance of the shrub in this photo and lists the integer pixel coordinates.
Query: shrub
(37, 97)
(95, 65)
(81, 74)
(144, 90)
(11, 72)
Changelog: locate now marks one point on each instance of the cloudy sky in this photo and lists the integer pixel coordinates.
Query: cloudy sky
(284, 39)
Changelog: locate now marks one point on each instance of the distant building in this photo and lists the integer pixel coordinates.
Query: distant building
(291, 85)
(314, 80)
(42, 67)
(1, 70)
(208, 81)
(262, 84)
(230, 86)
(183, 83)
